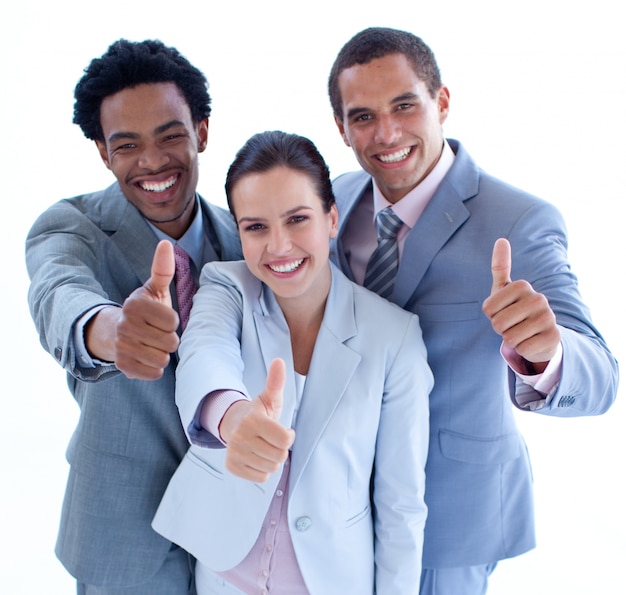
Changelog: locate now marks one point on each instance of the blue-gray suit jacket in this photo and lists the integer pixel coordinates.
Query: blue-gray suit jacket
(82, 252)
(478, 477)
(362, 423)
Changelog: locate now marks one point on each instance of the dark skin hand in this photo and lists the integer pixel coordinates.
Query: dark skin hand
(140, 336)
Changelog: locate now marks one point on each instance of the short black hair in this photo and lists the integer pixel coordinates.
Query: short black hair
(378, 42)
(128, 64)
(267, 150)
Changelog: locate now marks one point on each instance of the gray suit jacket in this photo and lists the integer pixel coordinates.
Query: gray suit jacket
(478, 477)
(85, 251)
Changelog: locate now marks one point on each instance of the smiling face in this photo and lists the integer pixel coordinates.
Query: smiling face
(151, 145)
(391, 122)
(285, 233)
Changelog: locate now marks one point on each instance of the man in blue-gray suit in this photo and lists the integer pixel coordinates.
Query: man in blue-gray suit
(101, 301)
(485, 267)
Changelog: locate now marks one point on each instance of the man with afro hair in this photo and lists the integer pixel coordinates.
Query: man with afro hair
(103, 297)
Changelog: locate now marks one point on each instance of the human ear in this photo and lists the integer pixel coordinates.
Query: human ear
(342, 130)
(104, 154)
(443, 102)
(202, 131)
(334, 221)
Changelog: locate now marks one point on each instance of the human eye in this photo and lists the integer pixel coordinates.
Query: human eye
(295, 219)
(123, 147)
(252, 227)
(363, 118)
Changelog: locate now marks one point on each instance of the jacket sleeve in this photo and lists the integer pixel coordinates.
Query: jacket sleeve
(210, 350)
(62, 259)
(589, 374)
(399, 476)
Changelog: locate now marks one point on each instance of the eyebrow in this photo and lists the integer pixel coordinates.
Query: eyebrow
(285, 214)
(133, 135)
(164, 127)
(355, 111)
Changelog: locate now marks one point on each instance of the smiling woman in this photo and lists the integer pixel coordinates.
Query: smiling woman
(321, 432)
(285, 237)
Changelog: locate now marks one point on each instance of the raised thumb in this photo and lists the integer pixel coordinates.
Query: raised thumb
(272, 395)
(162, 272)
(500, 264)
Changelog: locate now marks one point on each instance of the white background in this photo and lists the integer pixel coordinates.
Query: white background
(538, 94)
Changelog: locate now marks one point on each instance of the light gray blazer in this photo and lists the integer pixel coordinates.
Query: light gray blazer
(363, 411)
(82, 252)
(478, 477)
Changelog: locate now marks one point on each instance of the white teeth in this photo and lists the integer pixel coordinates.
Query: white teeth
(286, 268)
(397, 156)
(158, 186)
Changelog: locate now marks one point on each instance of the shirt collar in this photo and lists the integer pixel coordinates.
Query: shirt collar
(192, 241)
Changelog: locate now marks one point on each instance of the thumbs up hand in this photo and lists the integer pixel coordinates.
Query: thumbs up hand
(139, 336)
(520, 315)
(256, 443)
(500, 265)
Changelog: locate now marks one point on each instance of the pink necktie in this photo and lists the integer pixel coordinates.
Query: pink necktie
(185, 285)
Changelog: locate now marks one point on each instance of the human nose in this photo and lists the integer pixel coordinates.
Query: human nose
(279, 242)
(152, 158)
(388, 131)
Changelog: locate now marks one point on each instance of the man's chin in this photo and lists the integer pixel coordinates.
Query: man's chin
(167, 212)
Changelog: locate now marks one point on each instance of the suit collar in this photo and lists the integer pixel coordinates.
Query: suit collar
(137, 241)
(339, 316)
(130, 232)
(332, 366)
(221, 231)
(443, 216)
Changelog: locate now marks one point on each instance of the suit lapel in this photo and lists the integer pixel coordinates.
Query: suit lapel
(130, 233)
(275, 341)
(137, 242)
(441, 218)
(220, 232)
(332, 367)
(349, 190)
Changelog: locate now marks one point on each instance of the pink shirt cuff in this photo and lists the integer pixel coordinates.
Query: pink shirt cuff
(544, 383)
(214, 407)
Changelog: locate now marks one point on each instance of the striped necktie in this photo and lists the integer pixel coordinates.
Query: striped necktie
(383, 264)
(185, 285)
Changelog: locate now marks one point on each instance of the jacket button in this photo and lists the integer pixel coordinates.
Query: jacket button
(303, 523)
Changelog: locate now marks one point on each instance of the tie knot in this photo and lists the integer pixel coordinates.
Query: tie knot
(388, 224)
